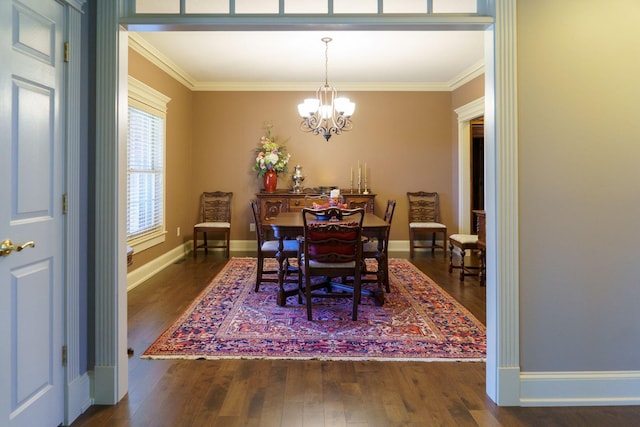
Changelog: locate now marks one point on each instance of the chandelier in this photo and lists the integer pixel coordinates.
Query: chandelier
(326, 114)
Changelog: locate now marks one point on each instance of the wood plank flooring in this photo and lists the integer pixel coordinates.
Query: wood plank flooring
(284, 393)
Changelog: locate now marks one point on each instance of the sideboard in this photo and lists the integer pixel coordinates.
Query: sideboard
(271, 204)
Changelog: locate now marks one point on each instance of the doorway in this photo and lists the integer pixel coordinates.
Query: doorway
(503, 382)
(477, 167)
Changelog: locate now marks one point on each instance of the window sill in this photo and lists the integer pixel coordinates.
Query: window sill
(146, 242)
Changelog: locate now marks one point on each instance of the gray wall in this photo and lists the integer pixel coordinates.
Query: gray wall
(579, 147)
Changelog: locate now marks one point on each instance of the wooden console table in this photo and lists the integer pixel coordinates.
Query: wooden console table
(271, 204)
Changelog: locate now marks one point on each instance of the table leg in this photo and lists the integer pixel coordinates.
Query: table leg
(383, 267)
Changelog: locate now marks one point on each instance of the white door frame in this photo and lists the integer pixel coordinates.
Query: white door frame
(501, 152)
(77, 383)
(466, 113)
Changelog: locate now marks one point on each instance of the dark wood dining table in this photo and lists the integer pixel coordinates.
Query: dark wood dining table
(289, 225)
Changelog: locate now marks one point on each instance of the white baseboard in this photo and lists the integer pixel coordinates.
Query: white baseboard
(243, 245)
(605, 388)
(103, 385)
(403, 246)
(139, 275)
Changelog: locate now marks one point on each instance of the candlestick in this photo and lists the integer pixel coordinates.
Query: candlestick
(366, 189)
(351, 181)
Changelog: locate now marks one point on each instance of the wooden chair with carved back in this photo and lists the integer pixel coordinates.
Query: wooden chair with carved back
(331, 249)
(215, 220)
(424, 218)
(379, 250)
(269, 249)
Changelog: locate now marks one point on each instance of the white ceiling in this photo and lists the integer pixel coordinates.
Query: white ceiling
(422, 60)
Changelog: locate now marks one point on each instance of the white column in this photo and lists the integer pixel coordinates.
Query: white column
(110, 369)
(501, 155)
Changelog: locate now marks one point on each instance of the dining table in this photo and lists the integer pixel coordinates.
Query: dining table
(290, 225)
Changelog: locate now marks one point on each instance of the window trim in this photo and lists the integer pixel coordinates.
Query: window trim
(151, 101)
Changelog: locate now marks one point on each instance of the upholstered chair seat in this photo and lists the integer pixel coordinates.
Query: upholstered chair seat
(463, 243)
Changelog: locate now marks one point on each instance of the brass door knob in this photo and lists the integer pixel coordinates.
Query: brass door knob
(7, 246)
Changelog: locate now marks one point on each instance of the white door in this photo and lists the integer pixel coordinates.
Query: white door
(31, 161)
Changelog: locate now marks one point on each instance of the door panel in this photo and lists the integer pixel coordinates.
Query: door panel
(33, 346)
(32, 122)
(32, 142)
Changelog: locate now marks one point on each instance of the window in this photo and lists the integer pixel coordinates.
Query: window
(231, 7)
(145, 166)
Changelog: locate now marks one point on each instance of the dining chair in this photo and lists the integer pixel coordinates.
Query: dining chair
(269, 249)
(215, 219)
(315, 199)
(331, 249)
(353, 204)
(463, 243)
(371, 250)
(424, 218)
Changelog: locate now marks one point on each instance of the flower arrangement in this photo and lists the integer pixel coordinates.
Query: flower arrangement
(270, 155)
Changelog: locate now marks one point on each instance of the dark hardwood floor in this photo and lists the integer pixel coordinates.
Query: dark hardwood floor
(310, 393)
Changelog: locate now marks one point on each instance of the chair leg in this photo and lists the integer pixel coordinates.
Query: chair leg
(444, 242)
(463, 254)
(228, 240)
(307, 290)
(356, 297)
(259, 273)
(299, 281)
(385, 274)
(411, 243)
(433, 242)
(450, 257)
(204, 238)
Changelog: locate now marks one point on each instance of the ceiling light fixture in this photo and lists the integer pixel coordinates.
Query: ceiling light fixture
(326, 114)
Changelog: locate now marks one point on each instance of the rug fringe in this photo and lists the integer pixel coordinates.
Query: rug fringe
(332, 358)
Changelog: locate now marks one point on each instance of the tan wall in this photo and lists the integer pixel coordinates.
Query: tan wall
(407, 139)
(178, 155)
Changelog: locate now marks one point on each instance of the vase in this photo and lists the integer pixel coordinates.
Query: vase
(270, 181)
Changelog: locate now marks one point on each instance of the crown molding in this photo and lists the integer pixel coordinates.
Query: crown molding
(476, 70)
(153, 55)
(306, 86)
(157, 58)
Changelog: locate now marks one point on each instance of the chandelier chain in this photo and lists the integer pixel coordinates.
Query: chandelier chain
(326, 41)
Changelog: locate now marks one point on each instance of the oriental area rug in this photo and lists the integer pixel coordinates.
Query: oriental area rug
(419, 321)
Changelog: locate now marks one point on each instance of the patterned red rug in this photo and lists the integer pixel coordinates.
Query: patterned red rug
(419, 321)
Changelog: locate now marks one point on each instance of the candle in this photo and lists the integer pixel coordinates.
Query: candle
(365, 171)
(351, 176)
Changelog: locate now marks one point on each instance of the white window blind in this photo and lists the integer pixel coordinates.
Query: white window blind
(145, 174)
(145, 166)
